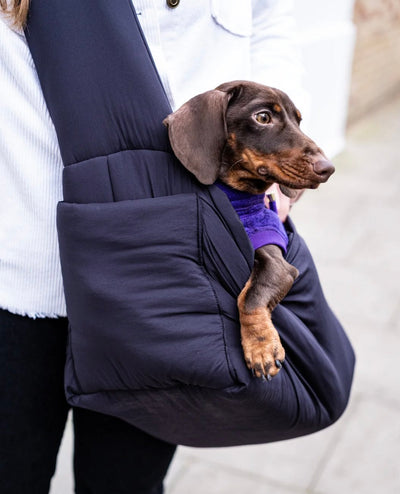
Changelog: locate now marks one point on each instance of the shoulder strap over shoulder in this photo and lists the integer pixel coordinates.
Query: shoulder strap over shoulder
(98, 78)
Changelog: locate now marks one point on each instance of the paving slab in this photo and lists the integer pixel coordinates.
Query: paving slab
(290, 464)
(366, 460)
(213, 479)
(63, 482)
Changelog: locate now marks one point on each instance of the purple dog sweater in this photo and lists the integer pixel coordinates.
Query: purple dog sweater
(262, 225)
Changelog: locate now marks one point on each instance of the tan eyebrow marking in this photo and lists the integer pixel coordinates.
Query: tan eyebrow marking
(277, 108)
(298, 114)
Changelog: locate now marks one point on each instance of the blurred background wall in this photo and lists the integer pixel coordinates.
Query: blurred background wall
(351, 52)
(327, 37)
(376, 67)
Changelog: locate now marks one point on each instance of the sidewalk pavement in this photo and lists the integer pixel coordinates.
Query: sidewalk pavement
(351, 225)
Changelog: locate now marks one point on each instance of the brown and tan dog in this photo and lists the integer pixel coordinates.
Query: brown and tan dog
(247, 135)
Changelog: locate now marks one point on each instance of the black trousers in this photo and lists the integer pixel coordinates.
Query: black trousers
(110, 456)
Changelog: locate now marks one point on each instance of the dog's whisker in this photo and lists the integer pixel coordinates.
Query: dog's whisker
(232, 165)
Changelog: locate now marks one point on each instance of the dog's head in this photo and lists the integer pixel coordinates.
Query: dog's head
(248, 136)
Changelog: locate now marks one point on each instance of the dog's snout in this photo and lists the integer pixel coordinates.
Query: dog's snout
(324, 168)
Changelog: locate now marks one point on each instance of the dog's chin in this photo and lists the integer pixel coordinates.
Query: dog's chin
(287, 191)
(292, 192)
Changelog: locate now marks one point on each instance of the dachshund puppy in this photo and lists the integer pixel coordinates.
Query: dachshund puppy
(247, 136)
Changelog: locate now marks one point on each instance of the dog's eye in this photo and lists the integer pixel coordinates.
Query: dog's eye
(262, 170)
(263, 117)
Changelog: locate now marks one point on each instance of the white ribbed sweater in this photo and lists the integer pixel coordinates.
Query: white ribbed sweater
(30, 187)
(216, 48)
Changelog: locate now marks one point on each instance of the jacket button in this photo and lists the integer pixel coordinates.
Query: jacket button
(173, 3)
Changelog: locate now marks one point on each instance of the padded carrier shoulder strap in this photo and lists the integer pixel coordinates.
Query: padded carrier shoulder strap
(153, 261)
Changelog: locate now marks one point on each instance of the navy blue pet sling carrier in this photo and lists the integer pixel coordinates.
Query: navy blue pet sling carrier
(153, 261)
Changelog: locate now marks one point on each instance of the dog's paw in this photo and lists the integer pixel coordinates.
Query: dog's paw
(262, 347)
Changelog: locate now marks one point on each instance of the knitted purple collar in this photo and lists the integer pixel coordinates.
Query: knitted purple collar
(262, 225)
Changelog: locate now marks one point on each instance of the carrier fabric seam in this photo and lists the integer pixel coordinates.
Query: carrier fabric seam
(231, 370)
(234, 385)
(73, 360)
(110, 179)
(292, 250)
(226, 223)
(169, 153)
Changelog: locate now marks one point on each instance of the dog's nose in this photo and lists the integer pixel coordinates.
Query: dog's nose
(323, 168)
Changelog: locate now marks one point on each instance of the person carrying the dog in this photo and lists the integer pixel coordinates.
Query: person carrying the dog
(196, 46)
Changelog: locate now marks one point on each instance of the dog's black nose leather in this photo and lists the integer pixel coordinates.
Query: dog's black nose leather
(323, 168)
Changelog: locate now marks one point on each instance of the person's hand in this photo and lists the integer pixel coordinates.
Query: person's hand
(283, 203)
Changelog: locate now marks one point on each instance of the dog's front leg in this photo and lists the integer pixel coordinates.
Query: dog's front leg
(270, 280)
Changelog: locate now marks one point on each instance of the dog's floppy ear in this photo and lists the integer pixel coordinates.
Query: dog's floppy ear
(197, 132)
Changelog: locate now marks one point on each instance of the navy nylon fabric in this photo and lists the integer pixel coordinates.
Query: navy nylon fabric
(153, 261)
